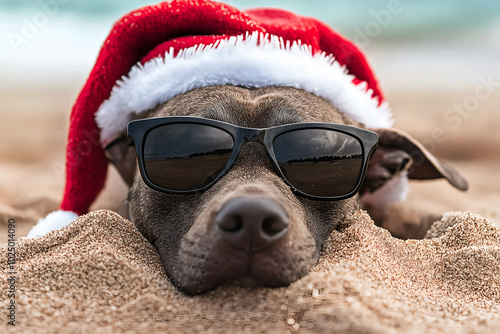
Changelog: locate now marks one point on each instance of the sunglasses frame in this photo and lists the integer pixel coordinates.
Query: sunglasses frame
(139, 129)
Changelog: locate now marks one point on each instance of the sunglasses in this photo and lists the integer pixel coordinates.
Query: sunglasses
(186, 155)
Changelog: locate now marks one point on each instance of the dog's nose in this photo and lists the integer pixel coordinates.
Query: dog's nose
(251, 224)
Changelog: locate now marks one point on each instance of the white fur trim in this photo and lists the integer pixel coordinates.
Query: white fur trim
(394, 190)
(54, 221)
(251, 61)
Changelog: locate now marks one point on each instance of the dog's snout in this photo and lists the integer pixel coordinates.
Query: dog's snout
(251, 224)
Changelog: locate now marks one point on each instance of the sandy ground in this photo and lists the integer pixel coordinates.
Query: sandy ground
(34, 127)
(99, 275)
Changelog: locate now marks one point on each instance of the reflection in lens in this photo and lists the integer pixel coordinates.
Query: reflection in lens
(186, 156)
(319, 162)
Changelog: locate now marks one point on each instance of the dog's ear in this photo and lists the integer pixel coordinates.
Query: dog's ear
(397, 152)
(121, 153)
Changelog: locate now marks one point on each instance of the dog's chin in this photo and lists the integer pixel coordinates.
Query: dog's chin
(249, 281)
(242, 275)
(245, 281)
(271, 269)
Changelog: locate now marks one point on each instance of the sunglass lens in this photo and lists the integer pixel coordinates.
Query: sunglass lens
(186, 156)
(319, 162)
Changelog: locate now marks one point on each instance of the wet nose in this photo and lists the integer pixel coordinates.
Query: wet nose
(251, 224)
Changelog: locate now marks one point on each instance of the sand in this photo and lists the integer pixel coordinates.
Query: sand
(99, 275)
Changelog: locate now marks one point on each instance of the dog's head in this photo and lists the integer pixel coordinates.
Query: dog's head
(250, 228)
(256, 69)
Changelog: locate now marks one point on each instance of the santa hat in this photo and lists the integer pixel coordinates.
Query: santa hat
(157, 52)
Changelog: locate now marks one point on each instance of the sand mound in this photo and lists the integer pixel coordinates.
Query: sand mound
(100, 275)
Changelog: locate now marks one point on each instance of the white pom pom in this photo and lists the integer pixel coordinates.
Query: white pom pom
(54, 221)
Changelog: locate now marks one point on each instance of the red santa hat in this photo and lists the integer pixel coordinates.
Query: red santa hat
(157, 52)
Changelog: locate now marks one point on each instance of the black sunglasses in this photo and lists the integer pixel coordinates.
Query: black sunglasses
(186, 155)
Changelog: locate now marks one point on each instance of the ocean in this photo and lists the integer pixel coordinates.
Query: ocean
(54, 43)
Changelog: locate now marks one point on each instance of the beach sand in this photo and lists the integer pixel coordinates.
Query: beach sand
(100, 275)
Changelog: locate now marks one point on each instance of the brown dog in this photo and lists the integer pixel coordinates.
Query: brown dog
(282, 233)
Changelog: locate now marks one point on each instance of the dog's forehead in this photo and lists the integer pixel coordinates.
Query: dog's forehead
(259, 108)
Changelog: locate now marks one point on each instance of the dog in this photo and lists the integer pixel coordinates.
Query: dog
(281, 233)
(245, 138)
